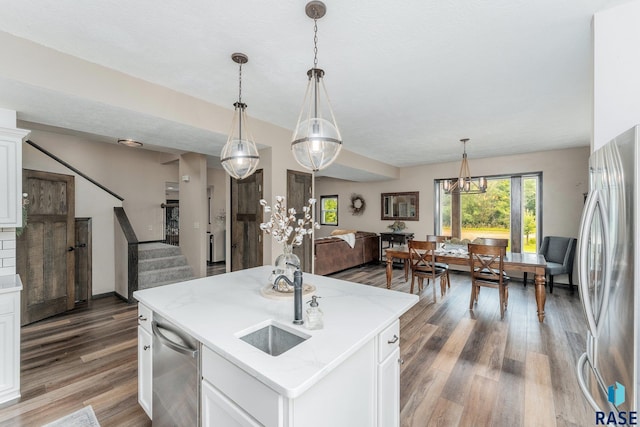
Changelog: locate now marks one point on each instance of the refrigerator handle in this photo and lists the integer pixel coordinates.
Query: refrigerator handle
(582, 383)
(583, 247)
(171, 344)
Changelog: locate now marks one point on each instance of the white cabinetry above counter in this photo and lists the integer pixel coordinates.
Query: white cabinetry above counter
(11, 177)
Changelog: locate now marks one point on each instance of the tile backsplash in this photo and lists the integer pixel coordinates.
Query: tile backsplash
(7, 251)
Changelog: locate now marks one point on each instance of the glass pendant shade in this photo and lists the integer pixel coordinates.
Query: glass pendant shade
(239, 155)
(316, 139)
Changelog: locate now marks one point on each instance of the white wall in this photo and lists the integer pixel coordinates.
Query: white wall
(216, 181)
(136, 175)
(616, 71)
(193, 211)
(565, 179)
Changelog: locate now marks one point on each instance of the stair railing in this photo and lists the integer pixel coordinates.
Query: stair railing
(132, 252)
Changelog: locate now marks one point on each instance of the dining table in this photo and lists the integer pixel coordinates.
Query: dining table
(513, 261)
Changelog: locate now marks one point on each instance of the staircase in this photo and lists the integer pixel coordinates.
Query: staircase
(161, 264)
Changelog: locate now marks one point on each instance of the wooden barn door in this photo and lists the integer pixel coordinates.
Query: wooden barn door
(246, 216)
(83, 285)
(299, 192)
(45, 258)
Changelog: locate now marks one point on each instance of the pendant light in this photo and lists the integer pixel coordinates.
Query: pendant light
(464, 183)
(316, 139)
(239, 155)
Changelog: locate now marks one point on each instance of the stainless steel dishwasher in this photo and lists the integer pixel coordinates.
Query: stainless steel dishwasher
(176, 376)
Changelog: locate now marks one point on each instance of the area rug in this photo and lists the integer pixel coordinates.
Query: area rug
(84, 417)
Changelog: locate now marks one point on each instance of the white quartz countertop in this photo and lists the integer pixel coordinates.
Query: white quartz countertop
(10, 283)
(217, 310)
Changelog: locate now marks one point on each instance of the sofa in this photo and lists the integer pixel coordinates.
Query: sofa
(333, 254)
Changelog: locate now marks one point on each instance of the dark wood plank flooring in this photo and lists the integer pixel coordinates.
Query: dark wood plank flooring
(461, 367)
(216, 268)
(469, 368)
(85, 357)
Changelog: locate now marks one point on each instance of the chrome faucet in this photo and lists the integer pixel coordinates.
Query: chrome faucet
(297, 292)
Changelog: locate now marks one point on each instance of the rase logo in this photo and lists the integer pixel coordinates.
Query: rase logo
(615, 395)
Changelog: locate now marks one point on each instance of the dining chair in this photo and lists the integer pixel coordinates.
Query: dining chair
(559, 253)
(423, 266)
(486, 264)
(439, 241)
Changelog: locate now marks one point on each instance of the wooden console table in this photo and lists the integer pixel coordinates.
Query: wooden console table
(522, 262)
(392, 240)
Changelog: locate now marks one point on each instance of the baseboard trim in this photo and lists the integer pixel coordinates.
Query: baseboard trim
(108, 295)
(125, 299)
(104, 295)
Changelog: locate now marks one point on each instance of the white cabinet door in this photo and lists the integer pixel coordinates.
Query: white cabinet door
(11, 177)
(9, 346)
(218, 410)
(145, 370)
(389, 391)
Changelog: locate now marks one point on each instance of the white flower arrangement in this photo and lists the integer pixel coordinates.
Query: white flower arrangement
(283, 225)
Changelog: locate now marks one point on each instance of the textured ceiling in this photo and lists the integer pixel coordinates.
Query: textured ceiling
(407, 79)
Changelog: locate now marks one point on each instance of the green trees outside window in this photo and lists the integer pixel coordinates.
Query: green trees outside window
(490, 214)
(329, 210)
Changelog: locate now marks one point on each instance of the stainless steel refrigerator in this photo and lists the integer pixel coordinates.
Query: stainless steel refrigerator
(608, 270)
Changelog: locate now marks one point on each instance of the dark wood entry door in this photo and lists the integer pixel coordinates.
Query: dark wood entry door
(82, 251)
(299, 191)
(45, 258)
(246, 216)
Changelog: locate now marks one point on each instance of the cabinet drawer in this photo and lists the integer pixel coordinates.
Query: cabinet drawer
(396, 239)
(218, 410)
(258, 400)
(144, 317)
(388, 340)
(7, 303)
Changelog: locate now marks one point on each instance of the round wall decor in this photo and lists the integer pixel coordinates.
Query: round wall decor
(357, 204)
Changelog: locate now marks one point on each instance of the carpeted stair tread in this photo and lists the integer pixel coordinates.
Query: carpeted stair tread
(157, 250)
(164, 274)
(168, 282)
(161, 262)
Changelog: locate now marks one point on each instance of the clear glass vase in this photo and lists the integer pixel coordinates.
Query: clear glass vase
(284, 267)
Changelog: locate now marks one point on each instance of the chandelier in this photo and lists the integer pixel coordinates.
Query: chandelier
(464, 183)
(239, 155)
(316, 140)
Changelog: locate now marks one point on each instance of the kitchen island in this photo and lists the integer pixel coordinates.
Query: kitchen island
(344, 374)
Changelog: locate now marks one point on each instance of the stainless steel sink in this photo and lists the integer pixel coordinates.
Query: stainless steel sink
(273, 339)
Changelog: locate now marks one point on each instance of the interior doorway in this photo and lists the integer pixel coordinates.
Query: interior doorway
(299, 191)
(246, 216)
(172, 222)
(45, 256)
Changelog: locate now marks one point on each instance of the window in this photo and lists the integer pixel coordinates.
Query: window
(329, 210)
(508, 209)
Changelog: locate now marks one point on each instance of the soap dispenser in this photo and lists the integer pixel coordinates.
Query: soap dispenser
(314, 314)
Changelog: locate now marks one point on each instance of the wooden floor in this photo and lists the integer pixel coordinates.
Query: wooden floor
(216, 268)
(461, 367)
(469, 368)
(85, 357)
